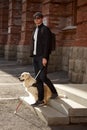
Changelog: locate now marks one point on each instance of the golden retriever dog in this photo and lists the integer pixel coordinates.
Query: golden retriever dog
(28, 82)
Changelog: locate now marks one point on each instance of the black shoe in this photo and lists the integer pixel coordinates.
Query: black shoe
(54, 96)
(38, 103)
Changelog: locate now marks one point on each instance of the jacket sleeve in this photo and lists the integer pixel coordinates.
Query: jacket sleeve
(32, 44)
(46, 42)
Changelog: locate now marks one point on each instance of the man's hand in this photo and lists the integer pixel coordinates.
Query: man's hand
(44, 61)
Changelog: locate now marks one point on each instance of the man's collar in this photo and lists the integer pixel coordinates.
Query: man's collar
(40, 25)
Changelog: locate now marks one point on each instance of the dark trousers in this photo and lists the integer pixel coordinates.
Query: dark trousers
(42, 78)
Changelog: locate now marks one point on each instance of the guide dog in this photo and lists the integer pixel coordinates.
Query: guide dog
(29, 84)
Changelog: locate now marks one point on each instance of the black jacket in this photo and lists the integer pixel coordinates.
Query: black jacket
(43, 42)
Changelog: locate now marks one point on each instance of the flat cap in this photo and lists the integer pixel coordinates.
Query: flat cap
(38, 15)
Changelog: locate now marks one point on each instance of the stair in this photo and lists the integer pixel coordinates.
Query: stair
(76, 92)
(52, 116)
(64, 111)
(72, 109)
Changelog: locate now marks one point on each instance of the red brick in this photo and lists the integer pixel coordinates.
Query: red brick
(15, 4)
(82, 14)
(82, 31)
(15, 29)
(82, 2)
(5, 18)
(81, 42)
(13, 39)
(4, 39)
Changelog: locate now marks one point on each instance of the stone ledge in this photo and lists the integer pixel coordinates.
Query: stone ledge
(68, 107)
(48, 114)
(75, 92)
(63, 111)
(69, 28)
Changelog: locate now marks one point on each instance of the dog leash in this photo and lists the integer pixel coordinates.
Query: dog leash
(19, 104)
(39, 72)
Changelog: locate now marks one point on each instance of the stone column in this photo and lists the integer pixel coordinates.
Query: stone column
(1, 46)
(3, 25)
(28, 9)
(68, 32)
(78, 58)
(81, 36)
(14, 29)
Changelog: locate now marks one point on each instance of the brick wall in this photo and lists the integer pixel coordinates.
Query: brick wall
(66, 18)
(74, 51)
(28, 9)
(54, 18)
(14, 29)
(3, 25)
(81, 39)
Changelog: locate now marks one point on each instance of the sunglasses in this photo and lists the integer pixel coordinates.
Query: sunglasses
(37, 18)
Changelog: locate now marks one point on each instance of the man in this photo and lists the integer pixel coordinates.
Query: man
(41, 50)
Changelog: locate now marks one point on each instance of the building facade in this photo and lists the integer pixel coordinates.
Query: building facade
(66, 18)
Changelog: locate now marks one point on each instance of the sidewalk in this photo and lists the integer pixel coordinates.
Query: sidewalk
(10, 91)
(12, 68)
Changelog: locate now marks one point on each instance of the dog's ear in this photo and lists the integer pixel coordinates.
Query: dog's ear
(25, 73)
(28, 75)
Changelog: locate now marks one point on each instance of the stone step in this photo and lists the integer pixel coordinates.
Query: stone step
(52, 116)
(70, 127)
(48, 114)
(75, 92)
(63, 111)
(75, 109)
(78, 120)
(69, 107)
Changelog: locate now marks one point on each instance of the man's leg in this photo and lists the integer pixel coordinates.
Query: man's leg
(47, 81)
(40, 89)
(40, 86)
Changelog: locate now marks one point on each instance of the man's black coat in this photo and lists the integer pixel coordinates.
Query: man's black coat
(43, 42)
